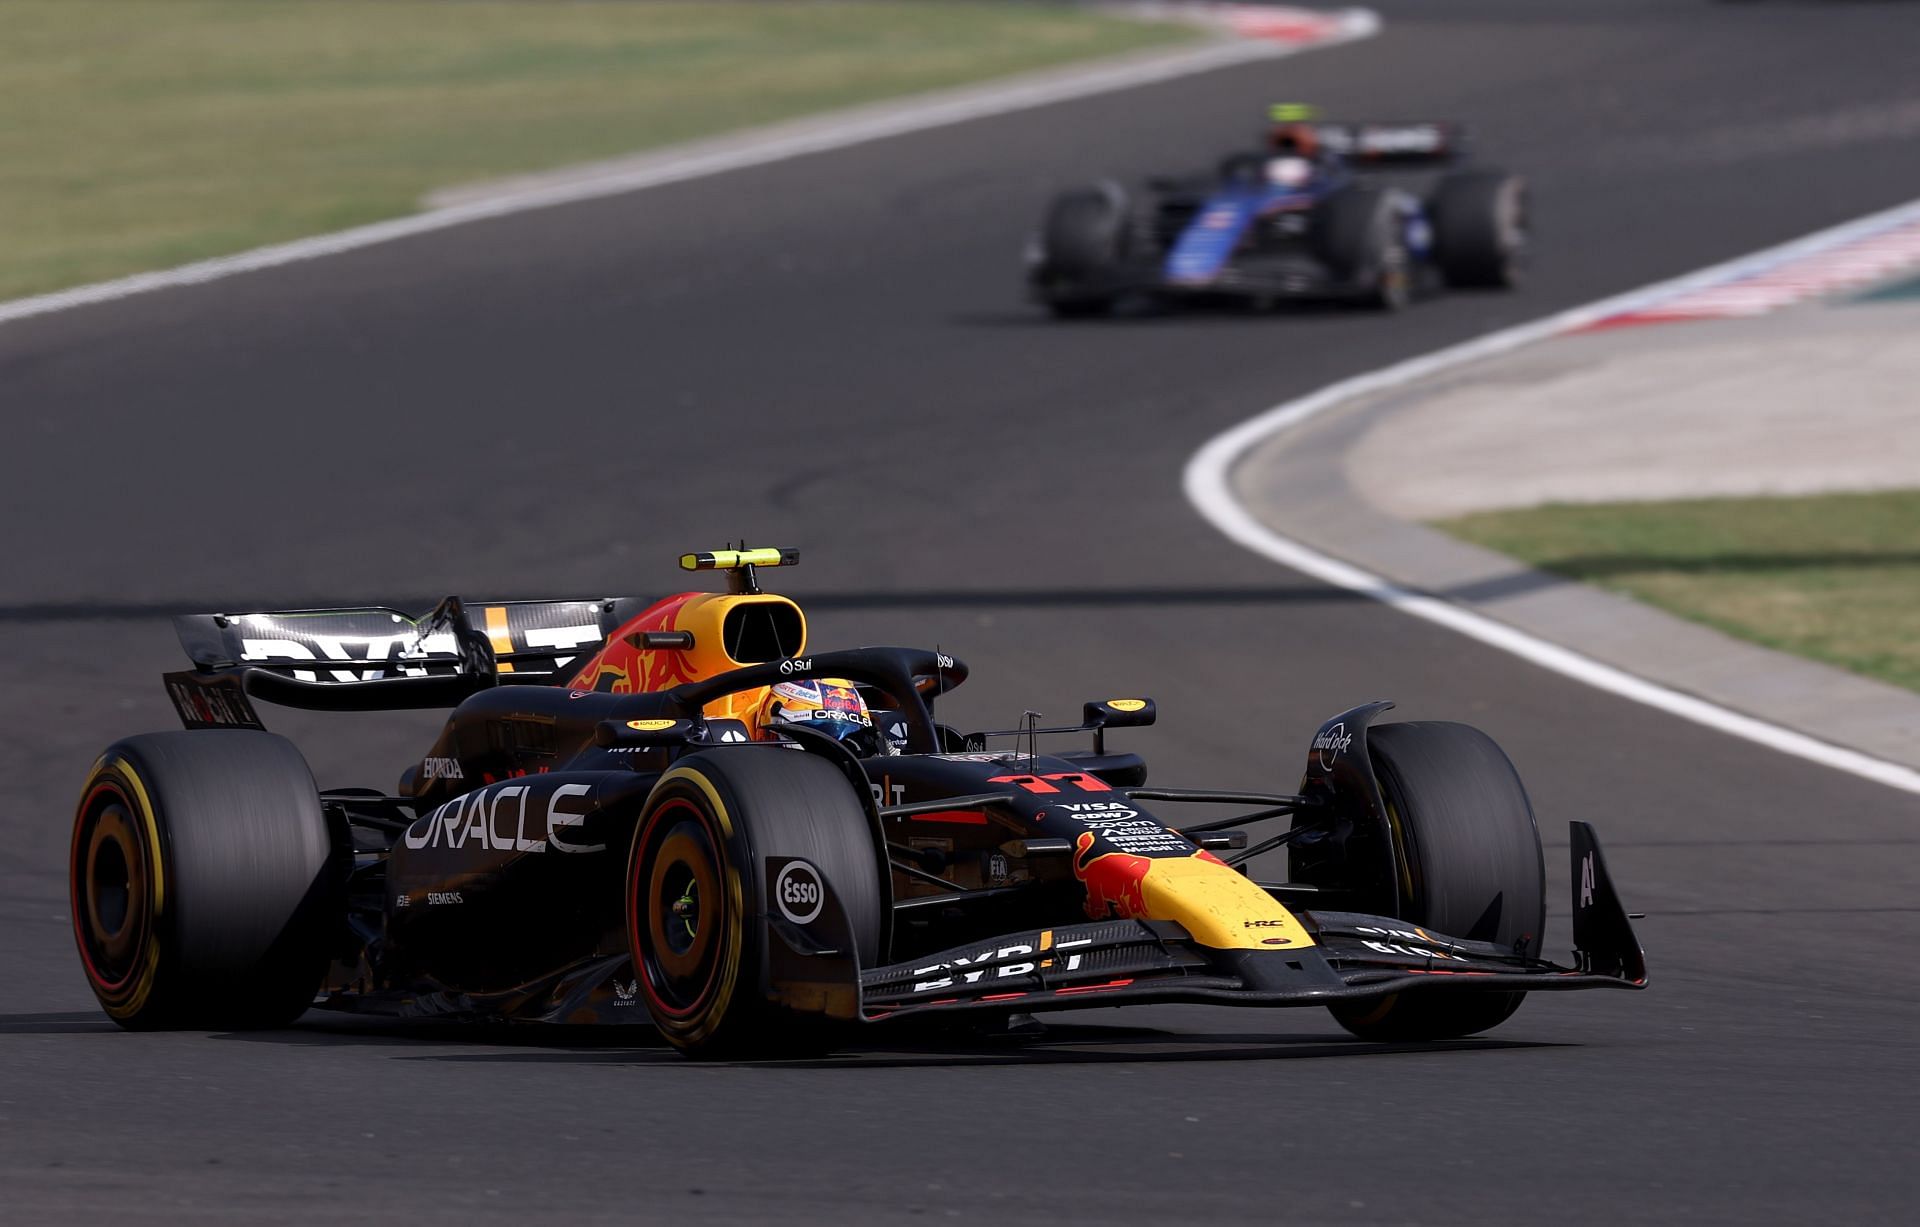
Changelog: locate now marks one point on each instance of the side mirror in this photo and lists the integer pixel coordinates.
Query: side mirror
(1115, 714)
(1118, 713)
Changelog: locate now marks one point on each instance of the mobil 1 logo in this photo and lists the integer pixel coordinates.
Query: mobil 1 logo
(797, 891)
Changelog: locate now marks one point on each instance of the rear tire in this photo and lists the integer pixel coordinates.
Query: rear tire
(1362, 242)
(1083, 239)
(203, 883)
(696, 905)
(1480, 229)
(1471, 867)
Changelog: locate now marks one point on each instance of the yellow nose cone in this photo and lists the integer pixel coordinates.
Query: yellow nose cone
(1219, 906)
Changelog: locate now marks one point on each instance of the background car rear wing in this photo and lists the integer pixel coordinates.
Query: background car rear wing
(1422, 141)
(369, 659)
(1391, 143)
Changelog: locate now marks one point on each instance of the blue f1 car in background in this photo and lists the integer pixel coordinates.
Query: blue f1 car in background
(1297, 219)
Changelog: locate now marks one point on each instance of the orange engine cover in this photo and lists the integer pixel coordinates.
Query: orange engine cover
(729, 630)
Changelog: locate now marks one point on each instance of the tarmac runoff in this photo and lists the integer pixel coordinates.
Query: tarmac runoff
(1807, 400)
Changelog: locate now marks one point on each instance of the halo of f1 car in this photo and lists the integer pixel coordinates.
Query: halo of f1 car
(610, 829)
(1323, 211)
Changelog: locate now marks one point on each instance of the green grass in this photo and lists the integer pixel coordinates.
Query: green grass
(138, 134)
(1834, 577)
(1894, 292)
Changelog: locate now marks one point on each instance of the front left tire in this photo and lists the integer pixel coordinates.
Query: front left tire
(1470, 866)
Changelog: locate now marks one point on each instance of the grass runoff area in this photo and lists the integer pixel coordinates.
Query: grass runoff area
(141, 134)
(1832, 577)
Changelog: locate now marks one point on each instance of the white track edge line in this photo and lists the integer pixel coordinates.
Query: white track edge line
(1207, 482)
(937, 110)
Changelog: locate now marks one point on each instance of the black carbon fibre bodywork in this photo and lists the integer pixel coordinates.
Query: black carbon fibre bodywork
(494, 882)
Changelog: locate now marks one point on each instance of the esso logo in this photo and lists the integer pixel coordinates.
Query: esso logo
(798, 893)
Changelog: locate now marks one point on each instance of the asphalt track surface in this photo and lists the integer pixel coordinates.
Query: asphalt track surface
(829, 353)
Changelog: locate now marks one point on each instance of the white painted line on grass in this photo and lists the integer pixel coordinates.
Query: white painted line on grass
(780, 143)
(1209, 475)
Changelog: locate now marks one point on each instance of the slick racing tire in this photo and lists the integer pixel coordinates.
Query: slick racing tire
(1362, 242)
(203, 879)
(1084, 238)
(697, 897)
(1480, 229)
(1471, 867)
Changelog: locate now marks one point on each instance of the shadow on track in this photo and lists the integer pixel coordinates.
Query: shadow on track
(640, 1045)
(72, 1022)
(325, 1029)
(1099, 1046)
(1213, 311)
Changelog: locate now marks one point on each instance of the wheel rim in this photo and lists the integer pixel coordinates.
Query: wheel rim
(679, 909)
(112, 892)
(1396, 283)
(1513, 235)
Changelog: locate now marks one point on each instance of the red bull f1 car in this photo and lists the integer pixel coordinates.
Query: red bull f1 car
(1316, 214)
(679, 813)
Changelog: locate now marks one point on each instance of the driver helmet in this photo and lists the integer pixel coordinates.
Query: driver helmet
(1289, 172)
(830, 705)
(1297, 139)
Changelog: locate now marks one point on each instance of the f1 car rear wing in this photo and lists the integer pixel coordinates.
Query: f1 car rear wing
(1423, 141)
(375, 658)
(1390, 143)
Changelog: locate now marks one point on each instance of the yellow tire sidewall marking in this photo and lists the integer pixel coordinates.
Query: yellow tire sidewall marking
(119, 771)
(736, 914)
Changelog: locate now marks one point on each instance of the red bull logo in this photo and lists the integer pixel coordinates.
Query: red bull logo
(1114, 880)
(623, 668)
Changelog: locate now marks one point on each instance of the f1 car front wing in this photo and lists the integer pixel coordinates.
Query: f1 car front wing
(1353, 957)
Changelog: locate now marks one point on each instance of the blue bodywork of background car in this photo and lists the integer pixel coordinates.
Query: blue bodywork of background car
(1207, 244)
